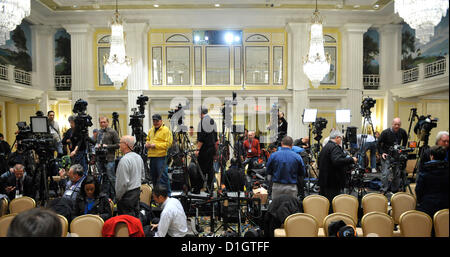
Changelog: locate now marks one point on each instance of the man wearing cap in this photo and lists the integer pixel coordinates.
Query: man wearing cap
(159, 140)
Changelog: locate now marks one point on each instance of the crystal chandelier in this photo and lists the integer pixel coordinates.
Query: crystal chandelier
(117, 65)
(316, 64)
(422, 15)
(11, 14)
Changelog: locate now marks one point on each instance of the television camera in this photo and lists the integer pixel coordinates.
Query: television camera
(423, 127)
(366, 105)
(37, 137)
(176, 117)
(318, 126)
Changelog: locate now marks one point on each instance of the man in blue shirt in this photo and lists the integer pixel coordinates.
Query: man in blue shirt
(285, 169)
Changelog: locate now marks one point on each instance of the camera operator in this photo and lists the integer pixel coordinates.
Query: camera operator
(5, 150)
(369, 145)
(432, 182)
(68, 147)
(388, 138)
(302, 142)
(158, 141)
(206, 146)
(332, 162)
(285, 169)
(107, 140)
(54, 130)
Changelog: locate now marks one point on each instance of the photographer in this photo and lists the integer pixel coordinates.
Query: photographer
(252, 150)
(107, 143)
(332, 162)
(388, 138)
(159, 140)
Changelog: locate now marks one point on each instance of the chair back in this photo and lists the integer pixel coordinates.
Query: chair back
(21, 204)
(146, 194)
(87, 225)
(301, 225)
(111, 204)
(121, 230)
(348, 220)
(401, 202)
(374, 202)
(440, 221)
(64, 225)
(3, 207)
(5, 221)
(318, 206)
(415, 224)
(348, 204)
(379, 223)
(409, 169)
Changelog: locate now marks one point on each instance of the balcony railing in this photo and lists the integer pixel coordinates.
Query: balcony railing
(435, 68)
(410, 75)
(425, 71)
(371, 81)
(63, 82)
(22, 77)
(15, 76)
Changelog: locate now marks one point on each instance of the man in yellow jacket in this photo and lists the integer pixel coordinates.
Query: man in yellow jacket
(159, 140)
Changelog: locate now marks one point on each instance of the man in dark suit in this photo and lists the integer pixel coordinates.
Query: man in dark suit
(206, 146)
(332, 167)
(19, 183)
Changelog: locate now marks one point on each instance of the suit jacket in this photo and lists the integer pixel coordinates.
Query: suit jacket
(28, 186)
(333, 163)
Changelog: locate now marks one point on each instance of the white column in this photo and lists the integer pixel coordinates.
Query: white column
(353, 56)
(390, 66)
(81, 59)
(43, 58)
(137, 81)
(298, 81)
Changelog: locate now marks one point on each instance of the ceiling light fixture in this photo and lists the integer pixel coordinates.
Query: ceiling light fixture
(422, 15)
(12, 12)
(117, 65)
(316, 64)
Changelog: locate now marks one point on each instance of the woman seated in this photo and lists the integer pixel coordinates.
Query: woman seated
(91, 201)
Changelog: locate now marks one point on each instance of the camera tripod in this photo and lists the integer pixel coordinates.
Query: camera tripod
(310, 168)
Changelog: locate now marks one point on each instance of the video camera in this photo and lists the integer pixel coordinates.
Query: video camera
(36, 136)
(178, 120)
(226, 110)
(366, 105)
(424, 126)
(399, 153)
(82, 120)
(136, 119)
(319, 125)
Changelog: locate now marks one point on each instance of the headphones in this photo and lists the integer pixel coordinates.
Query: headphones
(347, 231)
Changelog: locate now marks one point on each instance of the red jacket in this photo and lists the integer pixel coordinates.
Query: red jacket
(135, 228)
(255, 148)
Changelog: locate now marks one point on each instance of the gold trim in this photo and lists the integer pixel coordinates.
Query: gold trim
(52, 5)
(230, 86)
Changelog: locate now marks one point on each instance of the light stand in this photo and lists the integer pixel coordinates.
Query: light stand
(309, 116)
